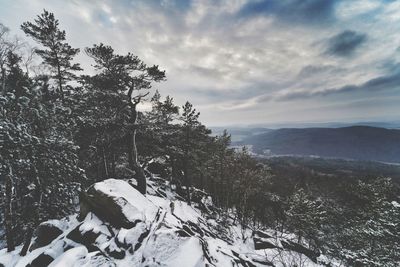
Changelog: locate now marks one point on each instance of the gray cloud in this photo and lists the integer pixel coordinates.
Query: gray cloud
(317, 70)
(246, 59)
(385, 82)
(345, 43)
(310, 11)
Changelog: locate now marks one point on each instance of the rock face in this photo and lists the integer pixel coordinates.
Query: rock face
(313, 255)
(45, 234)
(105, 207)
(118, 226)
(42, 260)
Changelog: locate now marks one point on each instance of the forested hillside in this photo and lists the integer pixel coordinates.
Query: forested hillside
(63, 130)
(356, 142)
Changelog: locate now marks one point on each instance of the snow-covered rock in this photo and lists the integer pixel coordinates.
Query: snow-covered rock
(45, 233)
(118, 203)
(118, 226)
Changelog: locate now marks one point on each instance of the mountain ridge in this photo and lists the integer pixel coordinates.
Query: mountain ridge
(351, 142)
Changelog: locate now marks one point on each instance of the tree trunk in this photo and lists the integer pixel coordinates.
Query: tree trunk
(135, 165)
(105, 163)
(187, 181)
(8, 213)
(173, 170)
(45, 89)
(59, 77)
(34, 209)
(3, 80)
(28, 238)
(202, 180)
(186, 177)
(60, 88)
(113, 163)
(133, 155)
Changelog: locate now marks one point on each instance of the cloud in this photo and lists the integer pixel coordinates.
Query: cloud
(314, 70)
(350, 9)
(304, 11)
(244, 58)
(345, 43)
(384, 82)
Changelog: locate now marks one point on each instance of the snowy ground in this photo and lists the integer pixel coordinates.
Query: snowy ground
(166, 232)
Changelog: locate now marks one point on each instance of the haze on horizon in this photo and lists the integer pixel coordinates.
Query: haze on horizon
(245, 61)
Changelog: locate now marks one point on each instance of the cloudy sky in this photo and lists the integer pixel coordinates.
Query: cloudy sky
(249, 61)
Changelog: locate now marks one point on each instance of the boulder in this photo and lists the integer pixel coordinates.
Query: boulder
(116, 202)
(92, 232)
(105, 207)
(258, 233)
(261, 240)
(99, 259)
(262, 243)
(264, 262)
(45, 234)
(115, 252)
(87, 239)
(242, 261)
(43, 260)
(312, 255)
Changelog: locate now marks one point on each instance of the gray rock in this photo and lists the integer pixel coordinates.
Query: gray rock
(45, 234)
(105, 207)
(261, 243)
(42, 260)
(312, 255)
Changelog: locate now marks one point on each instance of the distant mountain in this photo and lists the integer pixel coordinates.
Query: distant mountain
(355, 142)
(238, 134)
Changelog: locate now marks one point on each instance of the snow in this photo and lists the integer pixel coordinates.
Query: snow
(131, 236)
(94, 224)
(23, 261)
(185, 212)
(74, 257)
(154, 240)
(189, 253)
(9, 259)
(135, 206)
(395, 204)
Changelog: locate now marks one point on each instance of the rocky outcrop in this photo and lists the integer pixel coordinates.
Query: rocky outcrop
(311, 254)
(106, 207)
(45, 234)
(43, 260)
(118, 226)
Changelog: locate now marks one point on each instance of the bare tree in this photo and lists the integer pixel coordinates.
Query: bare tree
(28, 57)
(7, 46)
(4, 49)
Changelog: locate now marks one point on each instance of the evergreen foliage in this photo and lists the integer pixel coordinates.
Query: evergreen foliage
(56, 52)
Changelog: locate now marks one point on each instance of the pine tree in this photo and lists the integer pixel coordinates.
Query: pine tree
(57, 53)
(123, 82)
(16, 81)
(159, 135)
(190, 123)
(41, 162)
(305, 215)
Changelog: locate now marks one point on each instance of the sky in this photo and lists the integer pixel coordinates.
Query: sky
(244, 62)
